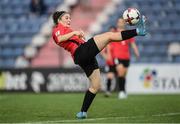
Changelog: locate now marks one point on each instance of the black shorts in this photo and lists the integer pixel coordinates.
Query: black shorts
(124, 62)
(110, 68)
(84, 56)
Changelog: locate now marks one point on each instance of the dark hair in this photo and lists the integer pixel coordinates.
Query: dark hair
(57, 15)
(112, 27)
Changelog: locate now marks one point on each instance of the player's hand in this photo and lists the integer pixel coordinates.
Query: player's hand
(80, 34)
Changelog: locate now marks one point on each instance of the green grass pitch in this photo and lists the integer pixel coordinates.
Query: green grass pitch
(62, 107)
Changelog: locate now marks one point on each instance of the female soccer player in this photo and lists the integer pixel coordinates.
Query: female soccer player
(110, 66)
(121, 55)
(84, 53)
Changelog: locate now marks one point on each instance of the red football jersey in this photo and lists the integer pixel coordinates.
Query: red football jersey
(68, 45)
(121, 49)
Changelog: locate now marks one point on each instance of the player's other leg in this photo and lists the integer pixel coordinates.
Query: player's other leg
(102, 40)
(95, 84)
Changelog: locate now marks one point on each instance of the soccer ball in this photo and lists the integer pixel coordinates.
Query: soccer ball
(131, 16)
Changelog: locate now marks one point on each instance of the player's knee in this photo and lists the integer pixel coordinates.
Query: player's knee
(96, 87)
(121, 74)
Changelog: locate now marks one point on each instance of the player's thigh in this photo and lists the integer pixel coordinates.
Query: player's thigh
(102, 40)
(121, 70)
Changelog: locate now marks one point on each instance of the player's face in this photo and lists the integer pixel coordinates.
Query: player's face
(121, 24)
(66, 20)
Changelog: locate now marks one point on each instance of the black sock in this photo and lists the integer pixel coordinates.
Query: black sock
(88, 98)
(108, 84)
(121, 81)
(127, 34)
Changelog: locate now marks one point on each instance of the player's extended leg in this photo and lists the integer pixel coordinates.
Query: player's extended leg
(95, 84)
(102, 40)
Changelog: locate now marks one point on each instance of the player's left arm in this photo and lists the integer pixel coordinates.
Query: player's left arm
(135, 49)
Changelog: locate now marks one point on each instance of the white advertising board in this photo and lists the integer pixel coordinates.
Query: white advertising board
(153, 78)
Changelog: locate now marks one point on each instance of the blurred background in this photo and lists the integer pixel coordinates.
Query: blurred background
(29, 56)
(39, 82)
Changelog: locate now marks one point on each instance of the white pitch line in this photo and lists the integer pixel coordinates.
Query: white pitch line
(128, 117)
(85, 120)
(167, 114)
(97, 119)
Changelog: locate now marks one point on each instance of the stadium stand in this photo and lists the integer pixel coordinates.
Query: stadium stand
(162, 25)
(18, 29)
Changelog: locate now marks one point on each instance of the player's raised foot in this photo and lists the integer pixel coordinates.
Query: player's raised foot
(81, 115)
(141, 26)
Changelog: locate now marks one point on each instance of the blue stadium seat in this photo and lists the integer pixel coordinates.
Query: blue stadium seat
(177, 59)
(52, 2)
(8, 63)
(20, 42)
(18, 52)
(7, 52)
(162, 17)
(18, 28)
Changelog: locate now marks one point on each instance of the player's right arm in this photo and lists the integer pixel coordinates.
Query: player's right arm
(67, 36)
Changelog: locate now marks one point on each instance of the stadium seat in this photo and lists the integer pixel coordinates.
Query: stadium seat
(18, 28)
(177, 59)
(162, 17)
